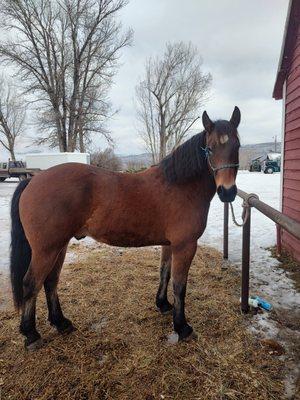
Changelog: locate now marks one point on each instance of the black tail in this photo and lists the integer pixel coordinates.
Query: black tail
(20, 251)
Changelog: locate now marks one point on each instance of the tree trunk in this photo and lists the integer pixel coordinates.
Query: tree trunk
(12, 154)
(162, 135)
(81, 143)
(61, 134)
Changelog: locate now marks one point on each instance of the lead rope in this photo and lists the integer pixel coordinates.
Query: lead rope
(245, 214)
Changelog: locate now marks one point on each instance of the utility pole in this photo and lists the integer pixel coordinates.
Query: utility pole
(275, 143)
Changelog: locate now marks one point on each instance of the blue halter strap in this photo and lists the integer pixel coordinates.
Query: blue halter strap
(208, 152)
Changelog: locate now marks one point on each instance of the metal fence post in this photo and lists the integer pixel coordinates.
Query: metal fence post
(225, 231)
(246, 263)
(278, 240)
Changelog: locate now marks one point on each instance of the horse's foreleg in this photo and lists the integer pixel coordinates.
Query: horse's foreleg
(182, 257)
(165, 272)
(39, 268)
(55, 316)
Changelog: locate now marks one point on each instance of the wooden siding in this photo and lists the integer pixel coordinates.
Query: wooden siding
(291, 165)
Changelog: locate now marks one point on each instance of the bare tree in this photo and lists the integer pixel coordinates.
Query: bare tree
(169, 98)
(106, 159)
(66, 54)
(12, 116)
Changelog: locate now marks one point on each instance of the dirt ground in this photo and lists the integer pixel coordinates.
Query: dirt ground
(120, 350)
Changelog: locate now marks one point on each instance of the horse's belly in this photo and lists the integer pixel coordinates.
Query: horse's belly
(129, 239)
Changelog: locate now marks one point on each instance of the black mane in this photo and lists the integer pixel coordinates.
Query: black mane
(187, 162)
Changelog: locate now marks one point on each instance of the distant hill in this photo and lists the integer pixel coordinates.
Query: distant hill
(136, 161)
(247, 153)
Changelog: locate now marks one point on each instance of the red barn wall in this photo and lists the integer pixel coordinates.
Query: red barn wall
(291, 166)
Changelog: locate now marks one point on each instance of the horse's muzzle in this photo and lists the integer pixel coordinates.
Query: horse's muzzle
(227, 195)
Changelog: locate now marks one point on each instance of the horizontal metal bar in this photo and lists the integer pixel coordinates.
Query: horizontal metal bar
(287, 223)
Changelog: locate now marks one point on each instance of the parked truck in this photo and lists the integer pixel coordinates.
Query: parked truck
(255, 165)
(269, 165)
(34, 163)
(14, 169)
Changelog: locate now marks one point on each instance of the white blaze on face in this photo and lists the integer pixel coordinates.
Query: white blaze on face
(225, 177)
(224, 139)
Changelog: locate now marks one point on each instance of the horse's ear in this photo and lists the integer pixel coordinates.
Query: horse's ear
(207, 123)
(236, 117)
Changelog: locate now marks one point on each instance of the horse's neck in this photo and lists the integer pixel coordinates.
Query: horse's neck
(203, 186)
(198, 187)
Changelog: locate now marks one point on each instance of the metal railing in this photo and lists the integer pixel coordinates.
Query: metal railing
(281, 221)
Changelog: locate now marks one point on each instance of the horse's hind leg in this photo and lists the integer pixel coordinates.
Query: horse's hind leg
(165, 272)
(182, 257)
(55, 316)
(40, 266)
(28, 326)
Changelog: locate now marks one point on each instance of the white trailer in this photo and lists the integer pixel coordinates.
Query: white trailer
(46, 160)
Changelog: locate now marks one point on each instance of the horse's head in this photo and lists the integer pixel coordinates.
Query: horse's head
(222, 150)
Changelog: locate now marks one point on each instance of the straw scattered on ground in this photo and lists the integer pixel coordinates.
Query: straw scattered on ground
(120, 350)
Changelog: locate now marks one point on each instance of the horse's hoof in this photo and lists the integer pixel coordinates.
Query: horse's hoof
(191, 338)
(65, 327)
(173, 338)
(34, 345)
(187, 334)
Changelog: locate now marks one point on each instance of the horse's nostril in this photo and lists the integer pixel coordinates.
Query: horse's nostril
(227, 195)
(220, 190)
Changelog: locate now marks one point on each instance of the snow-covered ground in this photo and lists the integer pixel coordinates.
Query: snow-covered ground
(267, 278)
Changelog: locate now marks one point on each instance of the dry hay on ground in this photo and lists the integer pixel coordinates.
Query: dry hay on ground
(120, 351)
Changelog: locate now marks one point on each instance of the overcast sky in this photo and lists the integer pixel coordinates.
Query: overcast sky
(240, 44)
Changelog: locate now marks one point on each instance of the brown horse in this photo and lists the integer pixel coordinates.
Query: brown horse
(165, 205)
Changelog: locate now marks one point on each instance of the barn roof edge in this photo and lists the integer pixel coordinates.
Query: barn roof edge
(288, 42)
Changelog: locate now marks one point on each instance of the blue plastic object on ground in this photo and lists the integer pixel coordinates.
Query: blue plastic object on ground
(262, 303)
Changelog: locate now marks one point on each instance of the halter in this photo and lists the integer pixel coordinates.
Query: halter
(208, 153)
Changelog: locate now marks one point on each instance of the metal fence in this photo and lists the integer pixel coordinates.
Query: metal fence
(281, 221)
